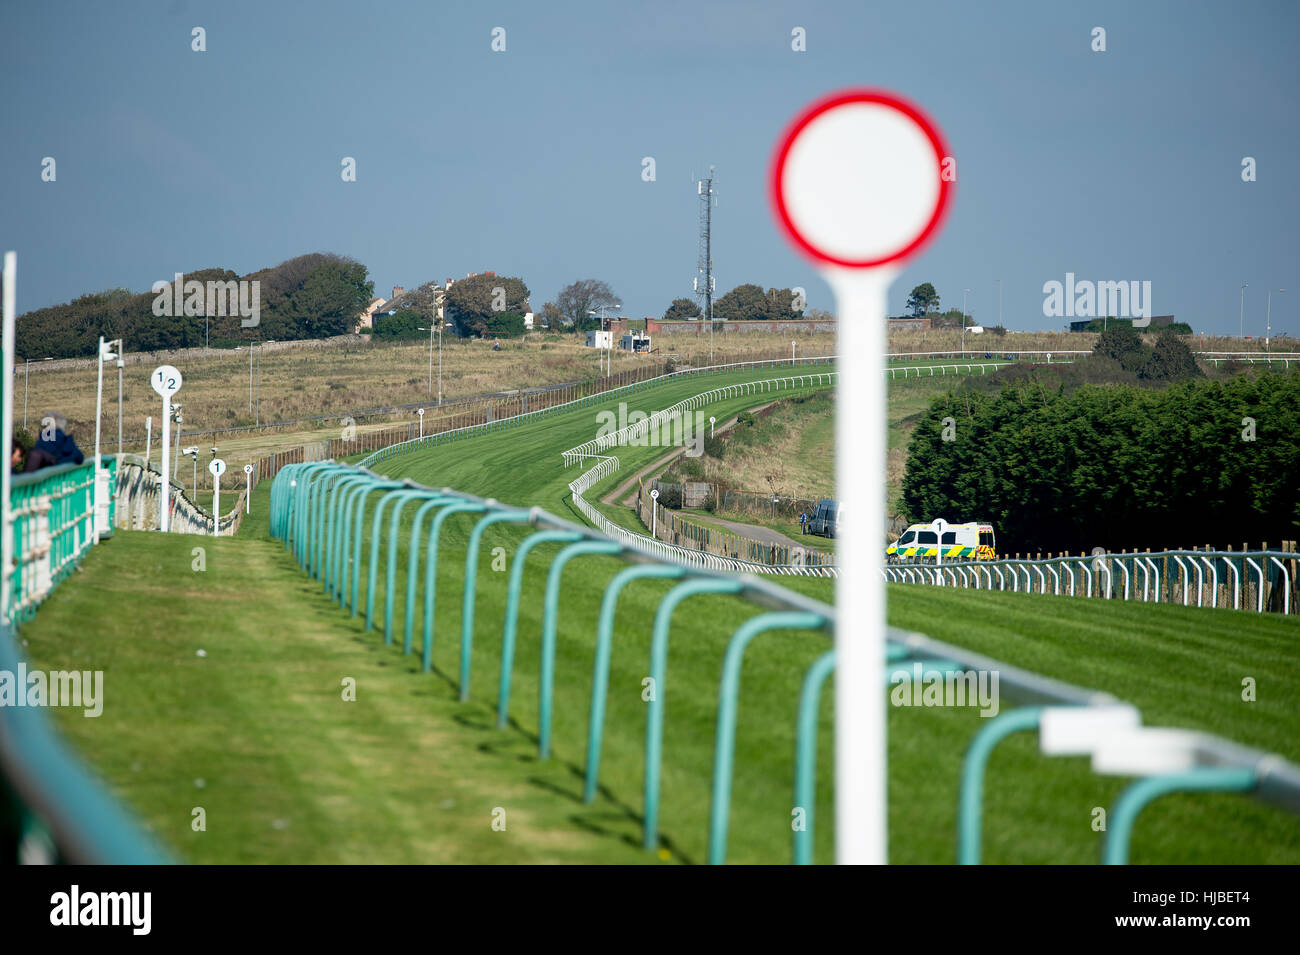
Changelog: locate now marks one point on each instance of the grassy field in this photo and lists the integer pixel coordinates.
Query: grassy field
(794, 446)
(303, 379)
(290, 772)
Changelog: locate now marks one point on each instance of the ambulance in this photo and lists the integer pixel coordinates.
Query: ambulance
(939, 540)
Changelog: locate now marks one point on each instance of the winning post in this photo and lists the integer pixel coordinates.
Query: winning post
(859, 185)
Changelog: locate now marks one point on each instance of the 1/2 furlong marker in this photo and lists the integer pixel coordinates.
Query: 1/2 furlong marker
(858, 185)
(166, 380)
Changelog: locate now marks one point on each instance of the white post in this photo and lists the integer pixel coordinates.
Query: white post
(99, 404)
(855, 192)
(654, 513)
(860, 756)
(164, 512)
(248, 493)
(7, 441)
(420, 412)
(166, 380)
(148, 439)
(218, 468)
(120, 365)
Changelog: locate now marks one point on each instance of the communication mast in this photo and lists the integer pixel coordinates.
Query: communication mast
(705, 283)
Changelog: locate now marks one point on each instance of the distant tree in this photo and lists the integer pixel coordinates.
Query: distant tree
(681, 309)
(552, 317)
(781, 305)
(330, 298)
(1122, 344)
(923, 299)
(504, 325)
(578, 298)
(744, 303)
(305, 297)
(472, 303)
(1169, 360)
(404, 325)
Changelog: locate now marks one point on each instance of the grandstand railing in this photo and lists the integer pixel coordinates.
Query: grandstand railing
(1259, 580)
(320, 512)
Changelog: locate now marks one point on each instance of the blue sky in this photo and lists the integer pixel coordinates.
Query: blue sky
(1117, 165)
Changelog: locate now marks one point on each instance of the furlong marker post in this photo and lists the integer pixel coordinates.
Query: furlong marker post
(859, 184)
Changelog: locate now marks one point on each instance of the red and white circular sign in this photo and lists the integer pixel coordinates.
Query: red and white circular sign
(858, 179)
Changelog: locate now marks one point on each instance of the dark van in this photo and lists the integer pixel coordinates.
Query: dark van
(825, 520)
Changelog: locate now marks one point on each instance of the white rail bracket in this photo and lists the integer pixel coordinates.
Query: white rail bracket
(1081, 730)
(1146, 751)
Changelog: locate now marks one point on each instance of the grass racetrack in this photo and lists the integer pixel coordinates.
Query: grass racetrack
(290, 772)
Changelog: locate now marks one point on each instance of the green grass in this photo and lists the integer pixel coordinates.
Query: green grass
(294, 774)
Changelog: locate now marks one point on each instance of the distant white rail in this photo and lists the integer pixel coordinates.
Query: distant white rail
(1261, 580)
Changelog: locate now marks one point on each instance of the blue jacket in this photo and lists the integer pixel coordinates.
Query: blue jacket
(63, 449)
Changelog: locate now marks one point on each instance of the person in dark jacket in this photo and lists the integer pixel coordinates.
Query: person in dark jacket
(36, 459)
(56, 442)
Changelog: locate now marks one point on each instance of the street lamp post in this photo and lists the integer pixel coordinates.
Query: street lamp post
(120, 365)
(179, 419)
(1241, 315)
(607, 368)
(964, 293)
(101, 490)
(27, 377)
(999, 281)
(192, 452)
(421, 328)
(1268, 319)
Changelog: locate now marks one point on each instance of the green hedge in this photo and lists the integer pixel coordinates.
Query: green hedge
(1115, 466)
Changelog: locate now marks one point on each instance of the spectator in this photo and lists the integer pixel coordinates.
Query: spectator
(803, 521)
(56, 442)
(37, 459)
(25, 458)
